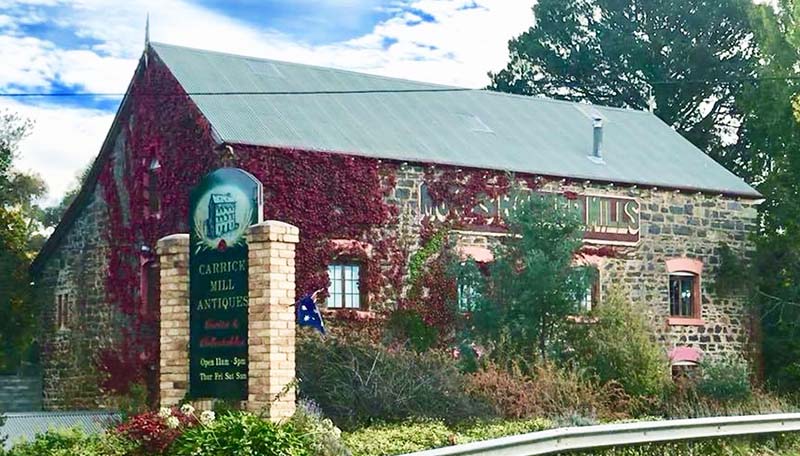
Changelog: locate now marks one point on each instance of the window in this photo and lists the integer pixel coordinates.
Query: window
(684, 291)
(149, 288)
(684, 371)
(467, 297)
(682, 294)
(344, 291)
(592, 294)
(62, 311)
(153, 196)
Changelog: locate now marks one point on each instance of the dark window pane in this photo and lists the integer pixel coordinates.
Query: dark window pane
(682, 297)
(152, 192)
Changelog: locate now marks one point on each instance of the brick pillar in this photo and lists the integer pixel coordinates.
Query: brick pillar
(271, 340)
(173, 255)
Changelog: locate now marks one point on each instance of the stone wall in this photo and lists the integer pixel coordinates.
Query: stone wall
(75, 273)
(673, 225)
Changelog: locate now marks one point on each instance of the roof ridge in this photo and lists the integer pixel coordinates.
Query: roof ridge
(307, 65)
(556, 100)
(409, 81)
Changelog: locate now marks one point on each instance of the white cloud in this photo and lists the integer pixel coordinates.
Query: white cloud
(466, 40)
(63, 142)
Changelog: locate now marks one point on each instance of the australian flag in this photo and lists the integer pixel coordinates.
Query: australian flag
(308, 314)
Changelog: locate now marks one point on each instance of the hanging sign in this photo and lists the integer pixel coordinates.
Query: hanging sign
(221, 209)
(610, 220)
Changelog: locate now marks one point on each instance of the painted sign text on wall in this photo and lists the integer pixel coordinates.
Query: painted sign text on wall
(608, 219)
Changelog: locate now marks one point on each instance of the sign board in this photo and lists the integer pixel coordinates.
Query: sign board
(608, 219)
(221, 209)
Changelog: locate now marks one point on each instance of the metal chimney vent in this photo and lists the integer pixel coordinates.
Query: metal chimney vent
(597, 143)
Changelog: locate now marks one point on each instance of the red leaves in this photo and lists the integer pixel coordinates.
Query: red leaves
(328, 196)
(570, 195)
(151, 432)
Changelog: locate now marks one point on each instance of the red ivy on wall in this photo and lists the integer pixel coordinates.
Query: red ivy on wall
(328, 196)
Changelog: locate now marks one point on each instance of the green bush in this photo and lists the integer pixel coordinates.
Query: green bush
(618, 346)
(477, 431)
(725, 379)
(324, 437)
(408, 437)
(241, 434)
(73, 442)
(360, 383)
(407, 326)
(386, 440)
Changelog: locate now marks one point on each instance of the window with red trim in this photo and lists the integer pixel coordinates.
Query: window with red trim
(683, 295)
(684, 290)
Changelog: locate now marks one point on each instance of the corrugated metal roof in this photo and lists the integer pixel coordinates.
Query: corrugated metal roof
(420, 122)
(25, 426)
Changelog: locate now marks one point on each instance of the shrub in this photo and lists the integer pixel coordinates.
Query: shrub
(151, 432)
(407, 327)
(408, 437)
(242, 434)
(356, 383)
(324, 437)
(725, 380)
(686, 402)
(385, 440)
(618, 347)
(72, 442)
(548, 392)
(477, 431)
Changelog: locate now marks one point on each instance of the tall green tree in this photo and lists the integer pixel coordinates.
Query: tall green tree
(533, 284)
(619, 52)
(18, 223)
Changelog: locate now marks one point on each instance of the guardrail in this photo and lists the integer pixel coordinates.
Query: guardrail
(608, 435)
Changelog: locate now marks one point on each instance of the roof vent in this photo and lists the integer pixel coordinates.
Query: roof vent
(597, 140)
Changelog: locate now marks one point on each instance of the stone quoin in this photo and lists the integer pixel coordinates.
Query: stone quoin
(362, 165)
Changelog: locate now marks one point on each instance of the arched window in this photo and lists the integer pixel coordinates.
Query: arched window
(684, 363)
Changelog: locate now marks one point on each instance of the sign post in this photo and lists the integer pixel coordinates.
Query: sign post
(222, 208)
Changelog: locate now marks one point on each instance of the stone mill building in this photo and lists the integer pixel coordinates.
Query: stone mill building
(367, 166)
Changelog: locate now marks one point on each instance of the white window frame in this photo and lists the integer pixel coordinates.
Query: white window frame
(344, 291)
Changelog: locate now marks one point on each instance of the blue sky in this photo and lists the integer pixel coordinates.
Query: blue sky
(93, 46)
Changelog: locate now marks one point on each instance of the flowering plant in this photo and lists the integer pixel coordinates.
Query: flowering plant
(154, 432)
